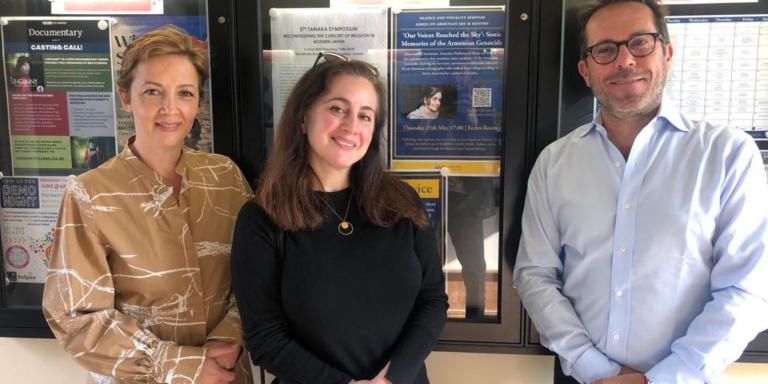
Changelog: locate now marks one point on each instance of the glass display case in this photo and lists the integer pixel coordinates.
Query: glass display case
(476, 89)
(61, 116)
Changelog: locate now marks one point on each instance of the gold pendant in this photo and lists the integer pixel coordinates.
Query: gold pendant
(345, 228)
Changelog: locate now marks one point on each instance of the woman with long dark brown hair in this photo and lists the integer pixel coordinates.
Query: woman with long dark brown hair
(334, 269)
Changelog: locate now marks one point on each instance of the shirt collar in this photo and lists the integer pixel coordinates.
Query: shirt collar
(667, 111)
(139, 166)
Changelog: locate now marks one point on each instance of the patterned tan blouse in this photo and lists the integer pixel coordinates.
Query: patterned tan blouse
(138, 281)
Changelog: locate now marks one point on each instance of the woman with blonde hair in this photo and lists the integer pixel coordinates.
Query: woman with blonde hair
(138, 283)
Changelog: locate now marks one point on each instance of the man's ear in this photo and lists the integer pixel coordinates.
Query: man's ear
(669, 51)
(125, 99)
(584, 72)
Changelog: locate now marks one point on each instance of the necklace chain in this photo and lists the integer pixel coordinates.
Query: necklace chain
(345, 227)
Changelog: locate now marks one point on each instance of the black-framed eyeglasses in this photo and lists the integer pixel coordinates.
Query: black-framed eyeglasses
(639, 46)
(329, 57)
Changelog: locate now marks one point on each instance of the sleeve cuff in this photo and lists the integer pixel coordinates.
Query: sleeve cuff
(592, 365)
(227, 331)
(674, 370)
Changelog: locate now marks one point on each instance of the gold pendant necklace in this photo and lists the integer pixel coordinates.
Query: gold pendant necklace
(345, 227)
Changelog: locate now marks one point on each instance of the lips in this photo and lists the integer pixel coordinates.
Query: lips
(627, 81)
(628, 77)
(167, 127)
(344, 143)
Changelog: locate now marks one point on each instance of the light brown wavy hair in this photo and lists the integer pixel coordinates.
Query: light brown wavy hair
(285, 189)
(166, 40)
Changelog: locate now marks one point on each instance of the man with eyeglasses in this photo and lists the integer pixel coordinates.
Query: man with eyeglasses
(643, 254)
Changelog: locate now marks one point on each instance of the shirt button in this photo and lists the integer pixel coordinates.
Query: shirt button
(619, 293)
(622, 249)
(616, 337)
(627, 205)
(617, 163)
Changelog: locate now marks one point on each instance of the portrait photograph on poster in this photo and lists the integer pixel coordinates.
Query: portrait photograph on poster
(430, 101)
(90, 152)
(25, 72)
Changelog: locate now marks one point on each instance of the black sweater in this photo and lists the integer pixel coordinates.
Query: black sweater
(335, 308)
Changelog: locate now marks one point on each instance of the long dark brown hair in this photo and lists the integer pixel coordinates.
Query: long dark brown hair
(285, 190)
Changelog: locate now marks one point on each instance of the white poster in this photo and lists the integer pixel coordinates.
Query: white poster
(299, 34)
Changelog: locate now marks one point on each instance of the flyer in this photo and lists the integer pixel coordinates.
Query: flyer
(28, 210)
(124, 31)
(299, 34)
(430, 186)
(60, 94)
(448, 89)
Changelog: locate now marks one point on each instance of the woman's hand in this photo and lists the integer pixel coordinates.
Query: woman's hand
(226, 360)
(220, 359)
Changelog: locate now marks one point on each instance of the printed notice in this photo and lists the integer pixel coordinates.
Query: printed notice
(28, 210)
(430, 187)
(299, 34)
(60, 95)
(447, 104)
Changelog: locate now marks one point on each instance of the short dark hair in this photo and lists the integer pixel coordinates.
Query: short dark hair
(659, 10)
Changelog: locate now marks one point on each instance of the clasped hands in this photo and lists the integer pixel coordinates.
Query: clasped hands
(220, 361)
(626, 376)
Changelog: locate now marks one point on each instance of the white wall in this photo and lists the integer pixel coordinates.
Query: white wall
(41, 361)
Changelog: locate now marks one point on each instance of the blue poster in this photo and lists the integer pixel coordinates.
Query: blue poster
(448, 76)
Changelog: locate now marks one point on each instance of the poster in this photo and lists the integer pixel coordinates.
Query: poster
(448, 87)
(430, 186)
(299, 34)
(28, 210)
(60, 94)
(125, 30)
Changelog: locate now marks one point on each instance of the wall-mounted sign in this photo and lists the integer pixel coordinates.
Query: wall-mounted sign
(61, 111)
(447, 89)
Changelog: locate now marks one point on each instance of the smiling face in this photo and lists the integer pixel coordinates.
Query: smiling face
(629, 86)
(339, 125)
(433, 102)
(163, 99)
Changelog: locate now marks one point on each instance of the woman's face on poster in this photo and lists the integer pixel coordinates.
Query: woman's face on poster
(24, 68)
(433, 102)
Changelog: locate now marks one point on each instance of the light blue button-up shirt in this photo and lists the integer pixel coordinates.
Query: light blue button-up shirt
(658, 262)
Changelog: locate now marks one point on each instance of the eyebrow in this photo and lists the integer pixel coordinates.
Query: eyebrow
(161, 86)
(345, 100)
(632, 35)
